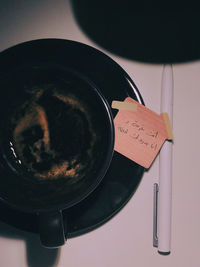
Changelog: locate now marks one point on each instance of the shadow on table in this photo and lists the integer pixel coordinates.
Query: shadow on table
(37, 256)
(146, 31)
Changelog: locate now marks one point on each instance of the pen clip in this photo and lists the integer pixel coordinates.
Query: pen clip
(155, 215)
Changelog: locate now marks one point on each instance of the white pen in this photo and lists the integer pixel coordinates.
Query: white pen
(163, 191)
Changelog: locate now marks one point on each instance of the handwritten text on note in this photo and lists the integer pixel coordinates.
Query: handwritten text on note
(139, 133)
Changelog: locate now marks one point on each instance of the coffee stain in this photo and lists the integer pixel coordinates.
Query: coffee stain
(71, 101)
(22, 124)
(42, 120)
(34, 116)
(76, 104)
(60, 170)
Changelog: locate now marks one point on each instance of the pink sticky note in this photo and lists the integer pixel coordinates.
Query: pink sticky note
(139, 134)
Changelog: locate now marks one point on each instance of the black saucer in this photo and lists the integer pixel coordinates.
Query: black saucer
(123, 175)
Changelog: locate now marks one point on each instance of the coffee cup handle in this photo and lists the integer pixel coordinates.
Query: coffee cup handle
(51, 229)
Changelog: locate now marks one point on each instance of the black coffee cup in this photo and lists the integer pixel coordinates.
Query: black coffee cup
(56, 143)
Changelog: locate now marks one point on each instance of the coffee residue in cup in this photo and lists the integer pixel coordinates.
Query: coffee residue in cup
(53, 135)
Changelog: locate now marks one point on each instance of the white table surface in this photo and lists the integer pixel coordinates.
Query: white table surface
(126, 240)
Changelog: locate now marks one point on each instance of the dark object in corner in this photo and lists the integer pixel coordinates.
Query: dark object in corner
(146, 31)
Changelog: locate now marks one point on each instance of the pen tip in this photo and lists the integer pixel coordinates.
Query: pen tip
(165, 253)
